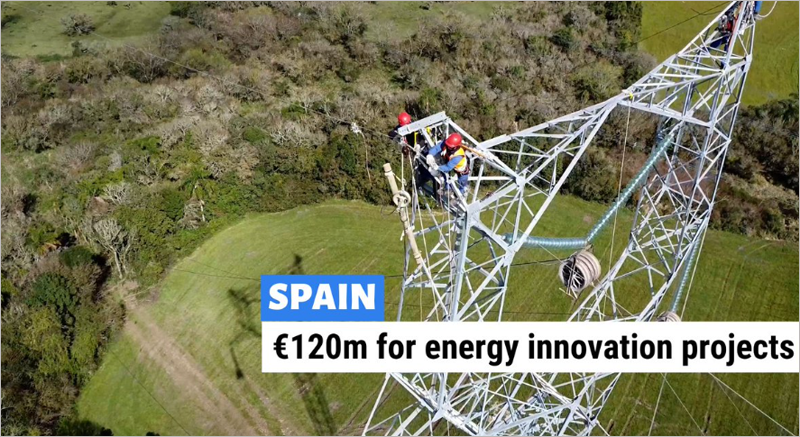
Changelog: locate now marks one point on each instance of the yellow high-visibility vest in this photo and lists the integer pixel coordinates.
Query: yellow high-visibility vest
(461, 167)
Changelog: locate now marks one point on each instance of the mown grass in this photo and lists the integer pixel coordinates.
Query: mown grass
(774, 72)
(144, 390)
(34, 28)
(400, 20)
(210, 299)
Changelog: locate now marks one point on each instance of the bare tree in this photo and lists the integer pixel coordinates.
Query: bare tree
(114, 239)
(193, 214)
(14, 77)
(77, 24)
(140, 63)
(119, 193)
(174, 131)
(116, 161)
(151, 172)
(13, 204)
(14, 252)
(76, 157)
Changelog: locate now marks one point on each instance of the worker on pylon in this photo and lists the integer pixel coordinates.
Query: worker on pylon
(454, 160)
(725, 30)
(406, 142)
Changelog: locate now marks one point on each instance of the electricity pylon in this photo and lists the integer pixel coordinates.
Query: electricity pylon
(459, 253)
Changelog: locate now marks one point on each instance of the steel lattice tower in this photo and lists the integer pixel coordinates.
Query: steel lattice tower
(459, 257)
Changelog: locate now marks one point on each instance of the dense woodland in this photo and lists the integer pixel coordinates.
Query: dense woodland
(118, 161)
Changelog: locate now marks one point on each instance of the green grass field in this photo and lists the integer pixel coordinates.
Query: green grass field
(399, 20)
(774, 71)
(189, 362)
(34, 28)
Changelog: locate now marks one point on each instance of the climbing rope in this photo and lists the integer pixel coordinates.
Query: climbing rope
(357, 130)
(761, 17)
(619, 184)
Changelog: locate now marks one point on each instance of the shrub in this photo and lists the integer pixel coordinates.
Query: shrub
(138, 63)
(596, 82)
(77, 256)
(412, 74)
(82, 69)
(430, 99)
(191, 10)
(595, 177)
(348, 71)
(254, 135)
(766, 141)
(75, 158)
(41, 234)
(636, 65)
(77, 24)
(295, 111)
(172, 204)
(580, 18)
(246, 84)
(148, 144)
(624, 20)
(565, 38)
(199, 59)
(14, 82)
(341, 24)
(9, 291)
(54, 290)
(538, 46)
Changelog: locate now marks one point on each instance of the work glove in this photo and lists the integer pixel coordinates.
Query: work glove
(434, 170)
(431, 161)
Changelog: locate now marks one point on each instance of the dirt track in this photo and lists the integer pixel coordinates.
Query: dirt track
(219, 410)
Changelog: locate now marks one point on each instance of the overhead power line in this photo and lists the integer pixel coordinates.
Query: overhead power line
(699, 14)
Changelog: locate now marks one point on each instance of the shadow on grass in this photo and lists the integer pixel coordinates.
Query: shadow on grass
(246, 302)
(308, 386)
(297, 266)
(316, 404)
(81, 427)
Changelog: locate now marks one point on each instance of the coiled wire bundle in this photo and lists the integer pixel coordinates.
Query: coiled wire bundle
(579, 271)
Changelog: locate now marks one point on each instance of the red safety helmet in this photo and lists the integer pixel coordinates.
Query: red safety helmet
(453, 141)
(403, 119)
